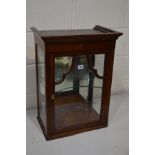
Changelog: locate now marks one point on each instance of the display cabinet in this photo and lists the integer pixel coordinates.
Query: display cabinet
(74, 76)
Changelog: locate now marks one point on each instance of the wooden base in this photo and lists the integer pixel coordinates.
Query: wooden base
(76, 131)
(71, 132)
(73, 115)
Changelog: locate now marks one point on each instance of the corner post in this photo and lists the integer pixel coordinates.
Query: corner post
(106, 88)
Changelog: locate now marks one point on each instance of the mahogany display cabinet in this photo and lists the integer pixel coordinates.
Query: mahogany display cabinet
(74, 75)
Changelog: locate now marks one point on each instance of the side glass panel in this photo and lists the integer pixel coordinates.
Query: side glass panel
(98, 64)
(78, 91)
(41, 84)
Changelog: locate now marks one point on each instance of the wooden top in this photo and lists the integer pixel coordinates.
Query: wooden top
(58, 33)
(98, 32)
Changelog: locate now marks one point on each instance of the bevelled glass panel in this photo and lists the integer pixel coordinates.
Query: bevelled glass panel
(41, 84)
(78, 95)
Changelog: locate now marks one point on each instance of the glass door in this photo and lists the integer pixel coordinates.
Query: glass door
(78, 89)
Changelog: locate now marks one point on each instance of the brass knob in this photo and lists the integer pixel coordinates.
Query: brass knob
(52, 97)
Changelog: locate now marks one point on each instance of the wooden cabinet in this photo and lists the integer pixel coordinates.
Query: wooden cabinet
(74, 76)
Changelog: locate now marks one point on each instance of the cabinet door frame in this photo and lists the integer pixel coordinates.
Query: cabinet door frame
(50, 90)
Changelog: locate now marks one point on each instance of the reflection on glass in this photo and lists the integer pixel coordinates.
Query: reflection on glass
(62, 64)
(99, 63)
(41, 84)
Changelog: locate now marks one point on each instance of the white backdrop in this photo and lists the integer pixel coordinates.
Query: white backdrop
(74, 14)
